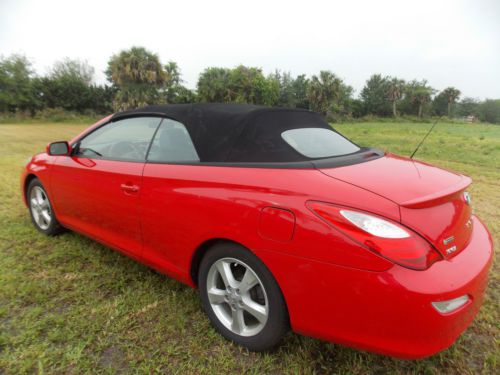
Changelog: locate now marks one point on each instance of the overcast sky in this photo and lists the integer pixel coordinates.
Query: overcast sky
(449, 43)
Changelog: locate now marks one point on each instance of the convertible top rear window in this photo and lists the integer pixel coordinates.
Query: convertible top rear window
(318, 142)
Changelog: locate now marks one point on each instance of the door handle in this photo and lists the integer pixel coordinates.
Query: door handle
(129, 188)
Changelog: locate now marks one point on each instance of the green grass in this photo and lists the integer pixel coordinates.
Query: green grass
(49, 116)
(70, 305)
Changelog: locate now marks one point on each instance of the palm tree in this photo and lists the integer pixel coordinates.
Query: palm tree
(419, 94)
(452, 94)
(323, 91)
(395, 91)
(138, 74)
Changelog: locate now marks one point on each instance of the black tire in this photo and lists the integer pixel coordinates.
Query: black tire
(53, 228)
(277, 323)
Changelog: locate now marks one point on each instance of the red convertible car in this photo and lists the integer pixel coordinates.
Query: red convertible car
(278, 220)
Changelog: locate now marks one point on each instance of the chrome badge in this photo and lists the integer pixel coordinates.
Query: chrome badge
(467, 197)
(446, 241)
(451, 250)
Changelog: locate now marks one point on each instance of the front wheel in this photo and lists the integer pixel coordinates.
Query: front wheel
(41, 212)
(241, 297)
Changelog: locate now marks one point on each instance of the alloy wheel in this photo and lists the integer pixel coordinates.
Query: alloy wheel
(237, 296)
(40, 207)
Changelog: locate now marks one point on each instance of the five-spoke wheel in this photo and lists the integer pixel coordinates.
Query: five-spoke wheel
(41, 212)
(237, 296)
(241, 297)
(40, 207)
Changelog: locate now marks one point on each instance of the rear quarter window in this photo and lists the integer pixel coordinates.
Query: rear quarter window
(318, 142)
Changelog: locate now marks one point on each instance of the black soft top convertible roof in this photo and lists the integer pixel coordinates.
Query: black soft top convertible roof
(237, 133)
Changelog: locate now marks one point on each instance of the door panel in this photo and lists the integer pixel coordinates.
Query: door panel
(97, 190)
(100, 198)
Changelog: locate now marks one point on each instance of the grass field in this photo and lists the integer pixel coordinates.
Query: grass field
(70, 305)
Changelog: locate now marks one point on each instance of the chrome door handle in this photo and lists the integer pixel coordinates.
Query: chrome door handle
(129, 188)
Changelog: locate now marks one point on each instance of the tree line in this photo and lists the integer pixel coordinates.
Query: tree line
(136, 77)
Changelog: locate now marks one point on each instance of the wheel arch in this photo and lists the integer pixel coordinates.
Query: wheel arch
(205, 247)
(200, 252)
(27, 180)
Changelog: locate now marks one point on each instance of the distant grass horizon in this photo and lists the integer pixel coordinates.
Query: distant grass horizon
(71, 305)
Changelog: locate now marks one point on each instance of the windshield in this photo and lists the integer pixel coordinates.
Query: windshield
(318, 142)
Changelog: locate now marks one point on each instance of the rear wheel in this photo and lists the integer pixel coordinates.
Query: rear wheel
(42, 215)
(241, 297)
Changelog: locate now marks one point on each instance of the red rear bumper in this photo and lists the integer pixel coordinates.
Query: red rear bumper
(386, 312)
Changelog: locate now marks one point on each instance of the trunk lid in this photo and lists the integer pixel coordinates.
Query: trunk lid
(431, 200)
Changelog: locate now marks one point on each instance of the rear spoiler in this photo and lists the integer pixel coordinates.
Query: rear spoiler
(439, 196)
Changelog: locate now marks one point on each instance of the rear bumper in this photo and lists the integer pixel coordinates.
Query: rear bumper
(386, 312)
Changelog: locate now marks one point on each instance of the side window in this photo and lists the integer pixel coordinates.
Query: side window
(172, 143)
(126, 139)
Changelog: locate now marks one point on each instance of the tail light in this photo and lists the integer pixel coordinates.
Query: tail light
(384, 237)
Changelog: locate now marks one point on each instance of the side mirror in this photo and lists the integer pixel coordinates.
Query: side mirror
(59, 148)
